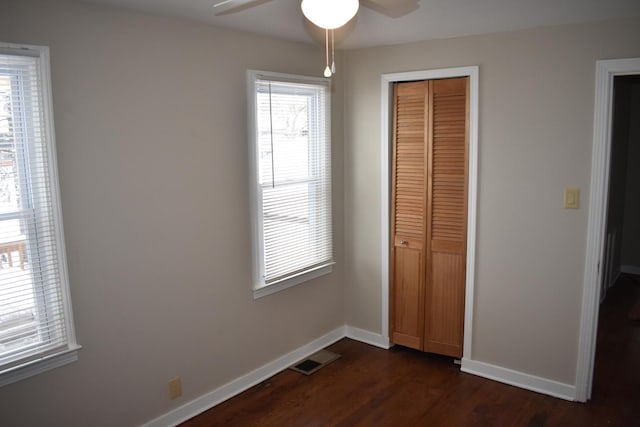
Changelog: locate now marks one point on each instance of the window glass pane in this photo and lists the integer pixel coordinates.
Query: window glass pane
(9, 189)
(287, 228)
(18, 326)
(283, 132)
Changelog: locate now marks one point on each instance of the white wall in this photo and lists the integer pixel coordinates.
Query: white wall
(150, 118)
(535, 139)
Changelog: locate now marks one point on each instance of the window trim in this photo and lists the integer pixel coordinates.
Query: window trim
(261, 289)
(68, 353)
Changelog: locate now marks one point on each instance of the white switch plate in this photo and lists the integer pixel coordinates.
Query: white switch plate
(571, 198)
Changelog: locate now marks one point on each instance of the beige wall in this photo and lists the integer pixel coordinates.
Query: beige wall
(151, 136)
(535, 139)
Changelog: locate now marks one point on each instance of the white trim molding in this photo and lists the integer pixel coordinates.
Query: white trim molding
(386, 89)
(600, 157)
(519, 379)
(41, 365)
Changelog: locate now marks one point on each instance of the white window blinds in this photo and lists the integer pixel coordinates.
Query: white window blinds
(292, 167)
(35, 316)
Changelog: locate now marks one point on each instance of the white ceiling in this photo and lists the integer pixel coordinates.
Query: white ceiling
(433, 19)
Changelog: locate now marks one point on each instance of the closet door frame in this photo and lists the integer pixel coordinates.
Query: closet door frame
(386, 148)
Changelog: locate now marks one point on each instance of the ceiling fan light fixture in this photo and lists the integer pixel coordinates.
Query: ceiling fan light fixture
(329, 14)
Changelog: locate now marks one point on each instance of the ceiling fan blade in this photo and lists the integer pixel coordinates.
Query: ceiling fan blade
(226, 7)
(392, 8)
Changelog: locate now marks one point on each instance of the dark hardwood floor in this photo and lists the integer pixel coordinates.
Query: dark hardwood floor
(369, 386)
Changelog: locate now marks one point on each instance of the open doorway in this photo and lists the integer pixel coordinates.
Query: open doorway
(600, 252)
(619, 314)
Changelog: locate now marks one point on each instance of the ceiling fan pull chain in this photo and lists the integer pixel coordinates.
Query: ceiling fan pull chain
(327, 70)
(333, 52)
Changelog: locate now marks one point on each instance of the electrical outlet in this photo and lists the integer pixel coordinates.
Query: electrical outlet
(175, 388)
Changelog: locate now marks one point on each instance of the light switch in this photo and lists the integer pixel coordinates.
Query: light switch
(571, 198)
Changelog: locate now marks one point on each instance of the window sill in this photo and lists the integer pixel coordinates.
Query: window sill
(39, 366)
(272, 288)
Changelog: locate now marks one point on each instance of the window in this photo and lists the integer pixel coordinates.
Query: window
(36, 330)
(291, 185)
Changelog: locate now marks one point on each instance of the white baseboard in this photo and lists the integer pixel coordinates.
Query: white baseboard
(237, 386)
(519, 379)
(630, 269)
(367, 337)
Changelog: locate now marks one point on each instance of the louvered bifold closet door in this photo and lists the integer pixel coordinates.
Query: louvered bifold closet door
(447, 217)
(408, 222)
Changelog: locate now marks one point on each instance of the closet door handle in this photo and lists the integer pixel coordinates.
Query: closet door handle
(403, 242)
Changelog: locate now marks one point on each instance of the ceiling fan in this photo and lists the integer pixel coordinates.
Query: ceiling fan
(328, 14)
(391, 8)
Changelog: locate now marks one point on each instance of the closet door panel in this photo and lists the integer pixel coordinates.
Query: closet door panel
(447, 218)
(408, 214)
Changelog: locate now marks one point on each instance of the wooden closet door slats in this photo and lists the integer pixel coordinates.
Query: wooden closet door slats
(409, 162)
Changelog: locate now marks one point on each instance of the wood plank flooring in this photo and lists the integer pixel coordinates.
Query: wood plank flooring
(368, 386)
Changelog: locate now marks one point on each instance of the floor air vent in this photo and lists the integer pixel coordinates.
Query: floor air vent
(314, 362)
